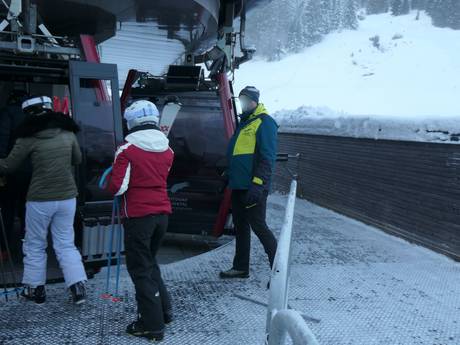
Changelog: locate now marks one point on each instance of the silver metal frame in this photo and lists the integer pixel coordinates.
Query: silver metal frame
(280, 320)
(289, 322)
(26, 35)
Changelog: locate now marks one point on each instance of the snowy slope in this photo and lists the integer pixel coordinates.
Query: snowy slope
(411, 81)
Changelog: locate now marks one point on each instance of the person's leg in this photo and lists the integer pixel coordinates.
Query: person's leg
(157, 239)
(38, 218)
(243, 232)
(64, 243)
(257, 218)
(140, 263)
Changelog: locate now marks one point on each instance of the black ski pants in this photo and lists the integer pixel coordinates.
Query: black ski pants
(143, 237)
(246, 219)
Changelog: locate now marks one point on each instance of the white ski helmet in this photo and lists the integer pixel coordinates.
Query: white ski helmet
(142, 113)
(37, 105)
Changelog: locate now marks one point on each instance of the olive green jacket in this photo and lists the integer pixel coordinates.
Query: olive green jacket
(52, 153)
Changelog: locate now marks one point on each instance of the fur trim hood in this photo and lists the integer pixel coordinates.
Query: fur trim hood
(35, 124)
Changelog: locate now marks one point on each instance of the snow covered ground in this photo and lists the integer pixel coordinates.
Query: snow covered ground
(406, 88)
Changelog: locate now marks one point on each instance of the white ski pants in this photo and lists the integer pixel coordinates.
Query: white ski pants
(59, 217)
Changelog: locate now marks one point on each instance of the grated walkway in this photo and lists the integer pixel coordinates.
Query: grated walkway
(364, 286)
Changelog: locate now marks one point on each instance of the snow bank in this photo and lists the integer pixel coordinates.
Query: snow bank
(412, 72)
(323, 121)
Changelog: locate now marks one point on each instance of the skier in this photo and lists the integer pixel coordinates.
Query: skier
(252, 155)
(139, 176)
(48, 140)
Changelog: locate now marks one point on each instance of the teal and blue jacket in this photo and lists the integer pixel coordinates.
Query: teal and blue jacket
(252, 151)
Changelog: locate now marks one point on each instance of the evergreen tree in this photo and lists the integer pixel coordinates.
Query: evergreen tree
(327, 16)
(296, 30)
(419, 4)
(291, 25)
(335, 15)
(405, 7)
(396, 7)
(439, 10)
(377, 6)
(350, 19)
(453, 14)
(312, 23)
(269, 24)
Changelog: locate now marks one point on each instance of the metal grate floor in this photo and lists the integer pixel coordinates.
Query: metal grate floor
(364, 286)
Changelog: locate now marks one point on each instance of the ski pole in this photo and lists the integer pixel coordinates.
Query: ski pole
(103, 185)
(109, 253)
(103, 181)
(119, 239)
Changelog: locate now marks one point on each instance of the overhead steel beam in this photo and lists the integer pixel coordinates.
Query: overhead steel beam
(39, 48)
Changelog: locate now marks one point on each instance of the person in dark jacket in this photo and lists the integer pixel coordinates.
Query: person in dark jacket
(48, 140)
(251, 155)
(14, 190)
(139, 177)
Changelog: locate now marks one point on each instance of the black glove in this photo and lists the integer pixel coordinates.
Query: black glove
(254, 195)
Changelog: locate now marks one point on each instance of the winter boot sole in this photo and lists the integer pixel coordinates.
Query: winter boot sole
(234, 276)
(147, 336)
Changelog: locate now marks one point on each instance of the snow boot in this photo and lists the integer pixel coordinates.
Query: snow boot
(232, 273)
(78, 291)
(37, 295)
(137, 329)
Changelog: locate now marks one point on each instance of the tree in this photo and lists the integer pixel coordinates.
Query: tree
(313, 19)
(295, 34)
(265, 26)
(453, 15)
(291, 25)
(335, 15)
(440, 11)
(377, 6)
(405, 7)
(396, 7)
(350, 10)
(418, 4)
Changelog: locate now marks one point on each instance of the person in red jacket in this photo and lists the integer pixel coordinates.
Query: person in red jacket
(139, 178)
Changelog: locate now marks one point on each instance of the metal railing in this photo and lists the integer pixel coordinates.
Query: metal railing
(280, 320)
(290, 322)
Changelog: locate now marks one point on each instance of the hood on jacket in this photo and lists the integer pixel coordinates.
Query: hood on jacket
(48, 133)
(33, 125)
(150, 140)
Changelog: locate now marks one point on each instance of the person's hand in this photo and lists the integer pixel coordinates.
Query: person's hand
(2, 181)
(254, 195)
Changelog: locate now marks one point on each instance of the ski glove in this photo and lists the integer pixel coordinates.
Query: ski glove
(255, 193)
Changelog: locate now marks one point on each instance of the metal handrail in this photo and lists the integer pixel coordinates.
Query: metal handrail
(290, 322)
(279, 282)
(280, 320)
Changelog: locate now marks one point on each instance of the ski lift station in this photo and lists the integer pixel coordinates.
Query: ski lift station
(368, 230)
